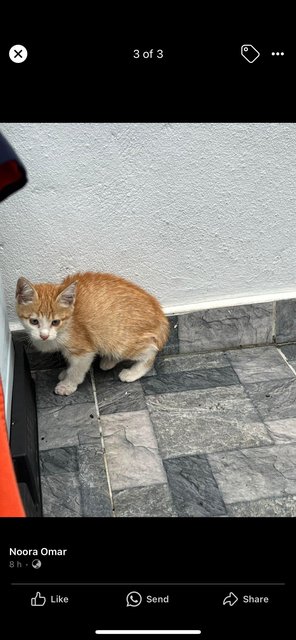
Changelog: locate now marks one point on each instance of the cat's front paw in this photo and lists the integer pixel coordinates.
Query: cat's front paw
(128, 375)
(65, 388)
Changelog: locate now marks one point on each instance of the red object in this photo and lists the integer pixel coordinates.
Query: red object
(10, 501)
(10, 173)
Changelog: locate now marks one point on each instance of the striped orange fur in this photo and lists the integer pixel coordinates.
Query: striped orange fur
(93, 313)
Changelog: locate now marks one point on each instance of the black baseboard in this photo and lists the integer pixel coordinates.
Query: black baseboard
(24, 433)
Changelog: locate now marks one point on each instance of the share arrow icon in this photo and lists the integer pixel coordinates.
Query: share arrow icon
(231, 599)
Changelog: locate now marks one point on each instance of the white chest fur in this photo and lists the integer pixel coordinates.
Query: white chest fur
(46, 345)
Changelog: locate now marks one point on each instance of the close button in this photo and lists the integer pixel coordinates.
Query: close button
(18, 53)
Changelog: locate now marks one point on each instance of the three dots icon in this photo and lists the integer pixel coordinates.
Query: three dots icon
(277, 53)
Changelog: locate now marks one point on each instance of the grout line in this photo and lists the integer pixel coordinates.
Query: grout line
(205, 454)
(271, 497)
(93, 384)
(274, 321)
(238, 347)
(286, 361)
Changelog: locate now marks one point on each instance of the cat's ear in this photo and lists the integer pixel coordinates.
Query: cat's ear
(67, 297)
(25, 292)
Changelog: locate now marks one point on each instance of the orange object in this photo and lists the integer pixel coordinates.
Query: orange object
(10, 501)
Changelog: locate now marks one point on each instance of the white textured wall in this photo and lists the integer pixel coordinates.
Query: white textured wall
(192, 212)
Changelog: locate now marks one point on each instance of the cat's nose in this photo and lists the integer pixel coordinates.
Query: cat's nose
(43, 337)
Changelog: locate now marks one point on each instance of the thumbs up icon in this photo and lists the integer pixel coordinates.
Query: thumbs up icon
(38, 600)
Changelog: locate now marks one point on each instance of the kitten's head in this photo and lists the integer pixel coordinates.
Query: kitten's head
(44, 309)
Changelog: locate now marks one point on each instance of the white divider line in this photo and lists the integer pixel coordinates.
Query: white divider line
(149, 632)
(219, 303)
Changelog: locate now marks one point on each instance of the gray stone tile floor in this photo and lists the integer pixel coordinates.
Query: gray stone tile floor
(202, 435)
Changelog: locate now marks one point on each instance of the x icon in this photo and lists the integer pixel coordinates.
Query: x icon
(18, 53)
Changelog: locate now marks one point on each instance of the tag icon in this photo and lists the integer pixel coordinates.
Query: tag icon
(249, 53)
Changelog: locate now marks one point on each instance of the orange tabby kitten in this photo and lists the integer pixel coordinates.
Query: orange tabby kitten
(89, 314)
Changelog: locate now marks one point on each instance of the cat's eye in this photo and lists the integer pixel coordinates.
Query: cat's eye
(55, 323)
(34, 321)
